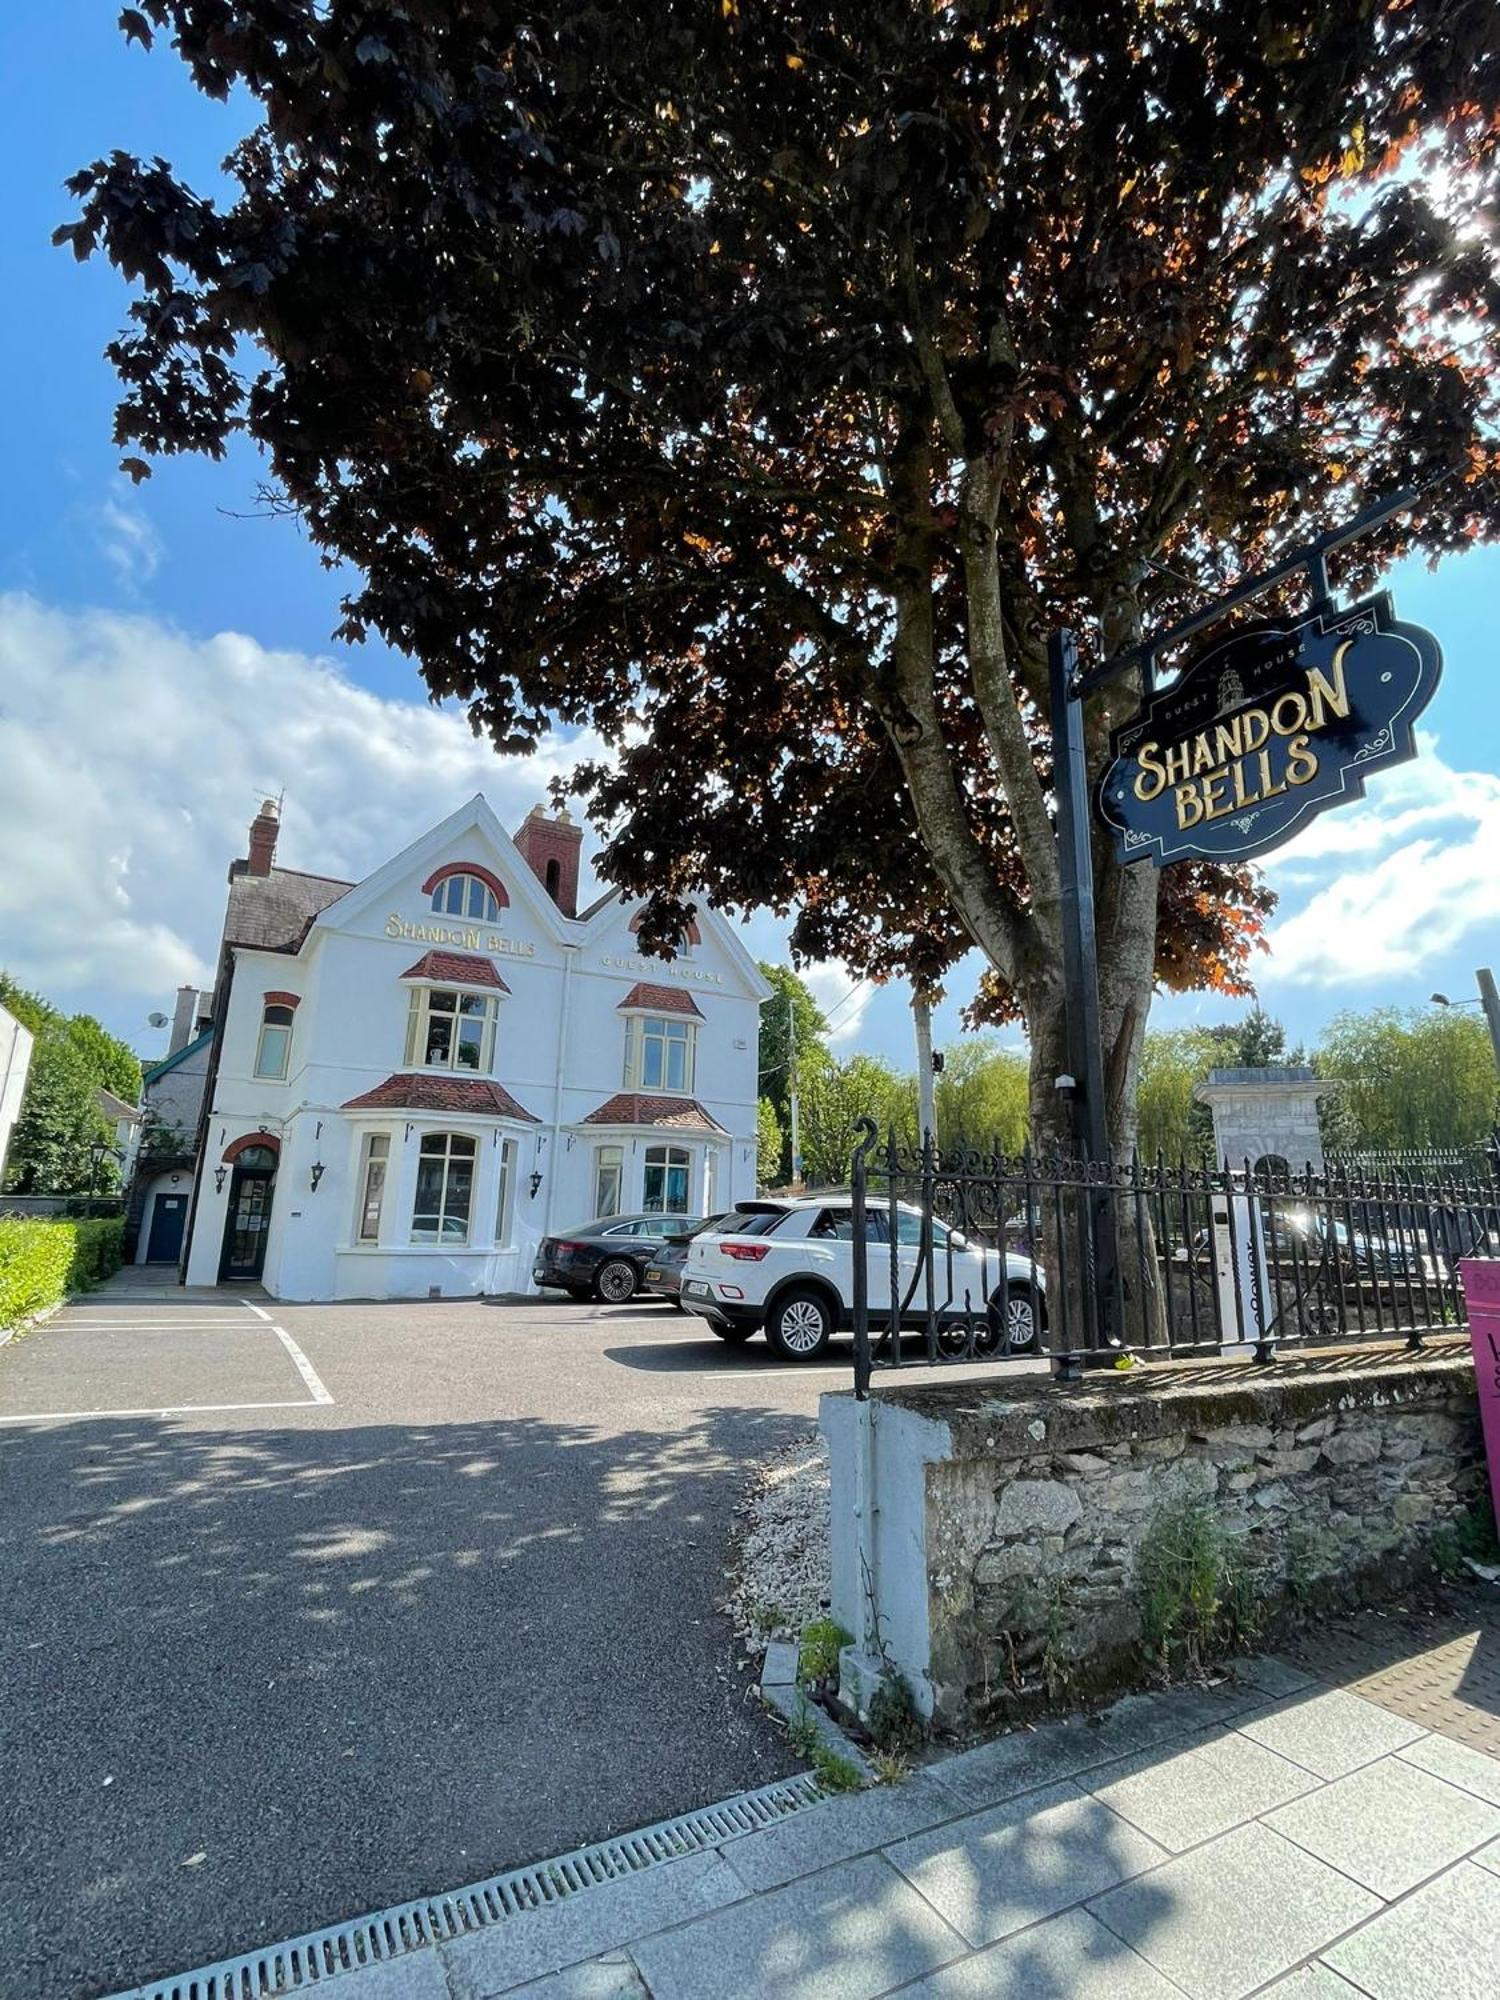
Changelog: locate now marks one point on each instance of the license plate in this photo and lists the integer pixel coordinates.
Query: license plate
(698, 1291)
(653, 1277)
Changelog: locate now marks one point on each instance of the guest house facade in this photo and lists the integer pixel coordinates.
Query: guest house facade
(416, 1077)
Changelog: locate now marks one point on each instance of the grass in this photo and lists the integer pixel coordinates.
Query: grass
(1196, 1586)
(835, 1773)
(818, 1655)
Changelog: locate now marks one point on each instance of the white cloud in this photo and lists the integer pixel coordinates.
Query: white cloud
(842, 995)
(129, 544)
(132, 758)
(1395, 882)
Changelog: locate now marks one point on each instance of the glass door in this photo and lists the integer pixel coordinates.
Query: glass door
(246, 1224)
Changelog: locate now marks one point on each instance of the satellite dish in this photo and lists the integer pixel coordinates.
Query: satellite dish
(156, 1020)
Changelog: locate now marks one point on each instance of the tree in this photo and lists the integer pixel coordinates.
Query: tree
(981, 1097)
(791, 1023)
(1408, 1079)
(110, 1062)
(769, 1143)
(30, 1009)
(59, 1122)
(1173, 1064)
(762, 385)
(835, 1096)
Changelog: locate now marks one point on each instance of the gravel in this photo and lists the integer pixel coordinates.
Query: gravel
(779, 1578)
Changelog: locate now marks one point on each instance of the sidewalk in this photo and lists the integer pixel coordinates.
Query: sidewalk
(1275, 1836)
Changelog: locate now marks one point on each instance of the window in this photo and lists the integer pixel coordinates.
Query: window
(665, 1190)
(374, 1158)
(659, 1053)
(449, 1030)
(466, 896)
(274, 1048)
(445, 1187)
(505, 1202)
(609, 1171)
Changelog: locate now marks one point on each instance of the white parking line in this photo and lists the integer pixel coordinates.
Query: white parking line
(154, 1410)
(304, 1367)
(259, 1311)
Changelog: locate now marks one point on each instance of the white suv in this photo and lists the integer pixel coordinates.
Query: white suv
(788, 1266)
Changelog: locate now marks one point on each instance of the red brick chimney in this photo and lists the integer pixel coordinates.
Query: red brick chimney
(263, 830)
(550, 848)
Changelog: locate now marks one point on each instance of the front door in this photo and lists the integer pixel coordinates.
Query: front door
(246, 1224)
(168, 1213)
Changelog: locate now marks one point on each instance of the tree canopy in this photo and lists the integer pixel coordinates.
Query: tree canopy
(762, 384)
(60, 1118)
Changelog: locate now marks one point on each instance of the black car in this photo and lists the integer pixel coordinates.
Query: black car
(664, 1272)
(607, 1258)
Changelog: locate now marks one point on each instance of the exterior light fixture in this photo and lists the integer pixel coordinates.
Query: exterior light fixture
(219, 1173)
(536, 1181)
(318, 1171)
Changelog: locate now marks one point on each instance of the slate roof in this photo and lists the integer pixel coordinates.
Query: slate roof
(635, 1107)
(170, 1062)
(463, 968)
(274, 912)
(441, 1093)
(661, 999)
(115, 1108)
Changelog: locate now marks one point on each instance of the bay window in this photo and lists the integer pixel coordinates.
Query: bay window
(447, 1029)
(445, 1189)
(374, 1162)
(609, 1172)
(506, 1200)
(667, 1180)
(659, 1053)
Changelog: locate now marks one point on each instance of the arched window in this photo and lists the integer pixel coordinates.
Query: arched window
(273, 1050)
(665, 1187)
(445, 1189)
(466, 896)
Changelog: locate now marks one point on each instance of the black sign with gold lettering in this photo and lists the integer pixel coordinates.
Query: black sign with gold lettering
(1266, 730)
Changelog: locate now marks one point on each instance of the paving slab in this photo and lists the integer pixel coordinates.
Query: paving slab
(1274, 1675)
(1187, 1793)
(1071, 1957)
(418, 1977)
(995, 1871)
(1329, 1734)
(1472, 1770)
(1313, 1982)
(613, 1978)
(838, 1829)
(1443, 1943)
(1489, 1857)
(1231, 1916)
(586, 1925)
(1388, 1825)
(848, 1933)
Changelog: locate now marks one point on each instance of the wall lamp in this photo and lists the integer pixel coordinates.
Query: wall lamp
(318, 1171)
(219, 1173)
(536, 1181)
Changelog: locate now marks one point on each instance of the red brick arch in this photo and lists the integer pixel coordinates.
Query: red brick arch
(248, 1139)
(490, 880)
(281, 999)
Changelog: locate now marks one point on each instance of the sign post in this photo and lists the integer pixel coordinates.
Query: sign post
(1269, 727)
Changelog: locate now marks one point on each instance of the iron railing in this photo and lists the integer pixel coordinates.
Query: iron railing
(974, 1257)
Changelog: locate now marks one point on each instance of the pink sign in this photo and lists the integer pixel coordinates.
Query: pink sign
(1481, 1276)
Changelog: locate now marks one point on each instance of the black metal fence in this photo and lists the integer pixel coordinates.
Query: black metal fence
(974, 1257)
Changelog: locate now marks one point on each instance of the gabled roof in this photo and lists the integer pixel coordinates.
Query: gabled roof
(274, 912)
(474, 1094)
(115, 1108)
(634, 1107)
(661, 999)
(191, 1048)
(461, 968)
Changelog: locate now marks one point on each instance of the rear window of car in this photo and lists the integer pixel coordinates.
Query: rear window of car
(764, 1222)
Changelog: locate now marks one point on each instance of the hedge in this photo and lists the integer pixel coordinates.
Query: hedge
(43, 1260)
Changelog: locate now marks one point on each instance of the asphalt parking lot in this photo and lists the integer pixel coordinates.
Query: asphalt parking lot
(312, 1609)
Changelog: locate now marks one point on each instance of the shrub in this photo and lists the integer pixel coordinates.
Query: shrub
(43, 1260)
(1196, 1588)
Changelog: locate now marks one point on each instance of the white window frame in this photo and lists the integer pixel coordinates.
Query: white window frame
(371, 1186)
(448, 1156)
(673, 1159)
(466, 890)
(505, 1195)
(263, 1071)
(664, 1032)
(609, 1159)
(468, 1004)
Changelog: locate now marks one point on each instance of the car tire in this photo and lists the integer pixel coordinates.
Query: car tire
(1012, 1312)
(732, 1336)
(617, 1282)
(799, 1326)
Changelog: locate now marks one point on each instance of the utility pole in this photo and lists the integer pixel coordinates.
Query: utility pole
(921, 1013)
(1489, 999)
(791, 1091)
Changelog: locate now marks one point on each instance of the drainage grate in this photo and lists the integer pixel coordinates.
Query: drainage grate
(316, 1956)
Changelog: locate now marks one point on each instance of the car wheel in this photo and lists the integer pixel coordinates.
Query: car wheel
(616, 1281)
(800, 1324)
(732, 1336)
(1012, 1320)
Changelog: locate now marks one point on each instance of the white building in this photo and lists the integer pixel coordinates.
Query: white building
(156, 1207)
(15, 1061)
(415, 1077)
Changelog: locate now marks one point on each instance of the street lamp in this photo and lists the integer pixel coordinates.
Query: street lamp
(1489, 1000)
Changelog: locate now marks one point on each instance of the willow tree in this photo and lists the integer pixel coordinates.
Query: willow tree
(761, 383)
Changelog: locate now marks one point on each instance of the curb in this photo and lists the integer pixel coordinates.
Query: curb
(780, 1691)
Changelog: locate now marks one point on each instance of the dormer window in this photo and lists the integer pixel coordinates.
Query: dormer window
(448, 1029)
(466, 896)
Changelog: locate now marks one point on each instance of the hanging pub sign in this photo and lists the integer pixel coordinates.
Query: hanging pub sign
(1264, 731)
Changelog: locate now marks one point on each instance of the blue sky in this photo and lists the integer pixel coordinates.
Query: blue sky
(163, 663)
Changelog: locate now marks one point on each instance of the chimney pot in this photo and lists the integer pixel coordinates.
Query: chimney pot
(263, 830)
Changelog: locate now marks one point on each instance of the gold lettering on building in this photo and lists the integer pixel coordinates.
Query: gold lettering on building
(466, 937)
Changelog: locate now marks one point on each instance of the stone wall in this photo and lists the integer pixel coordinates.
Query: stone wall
(998, 1530)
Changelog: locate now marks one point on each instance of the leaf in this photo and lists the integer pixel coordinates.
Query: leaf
(134, 26)
(795, 62)
(137, 468)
